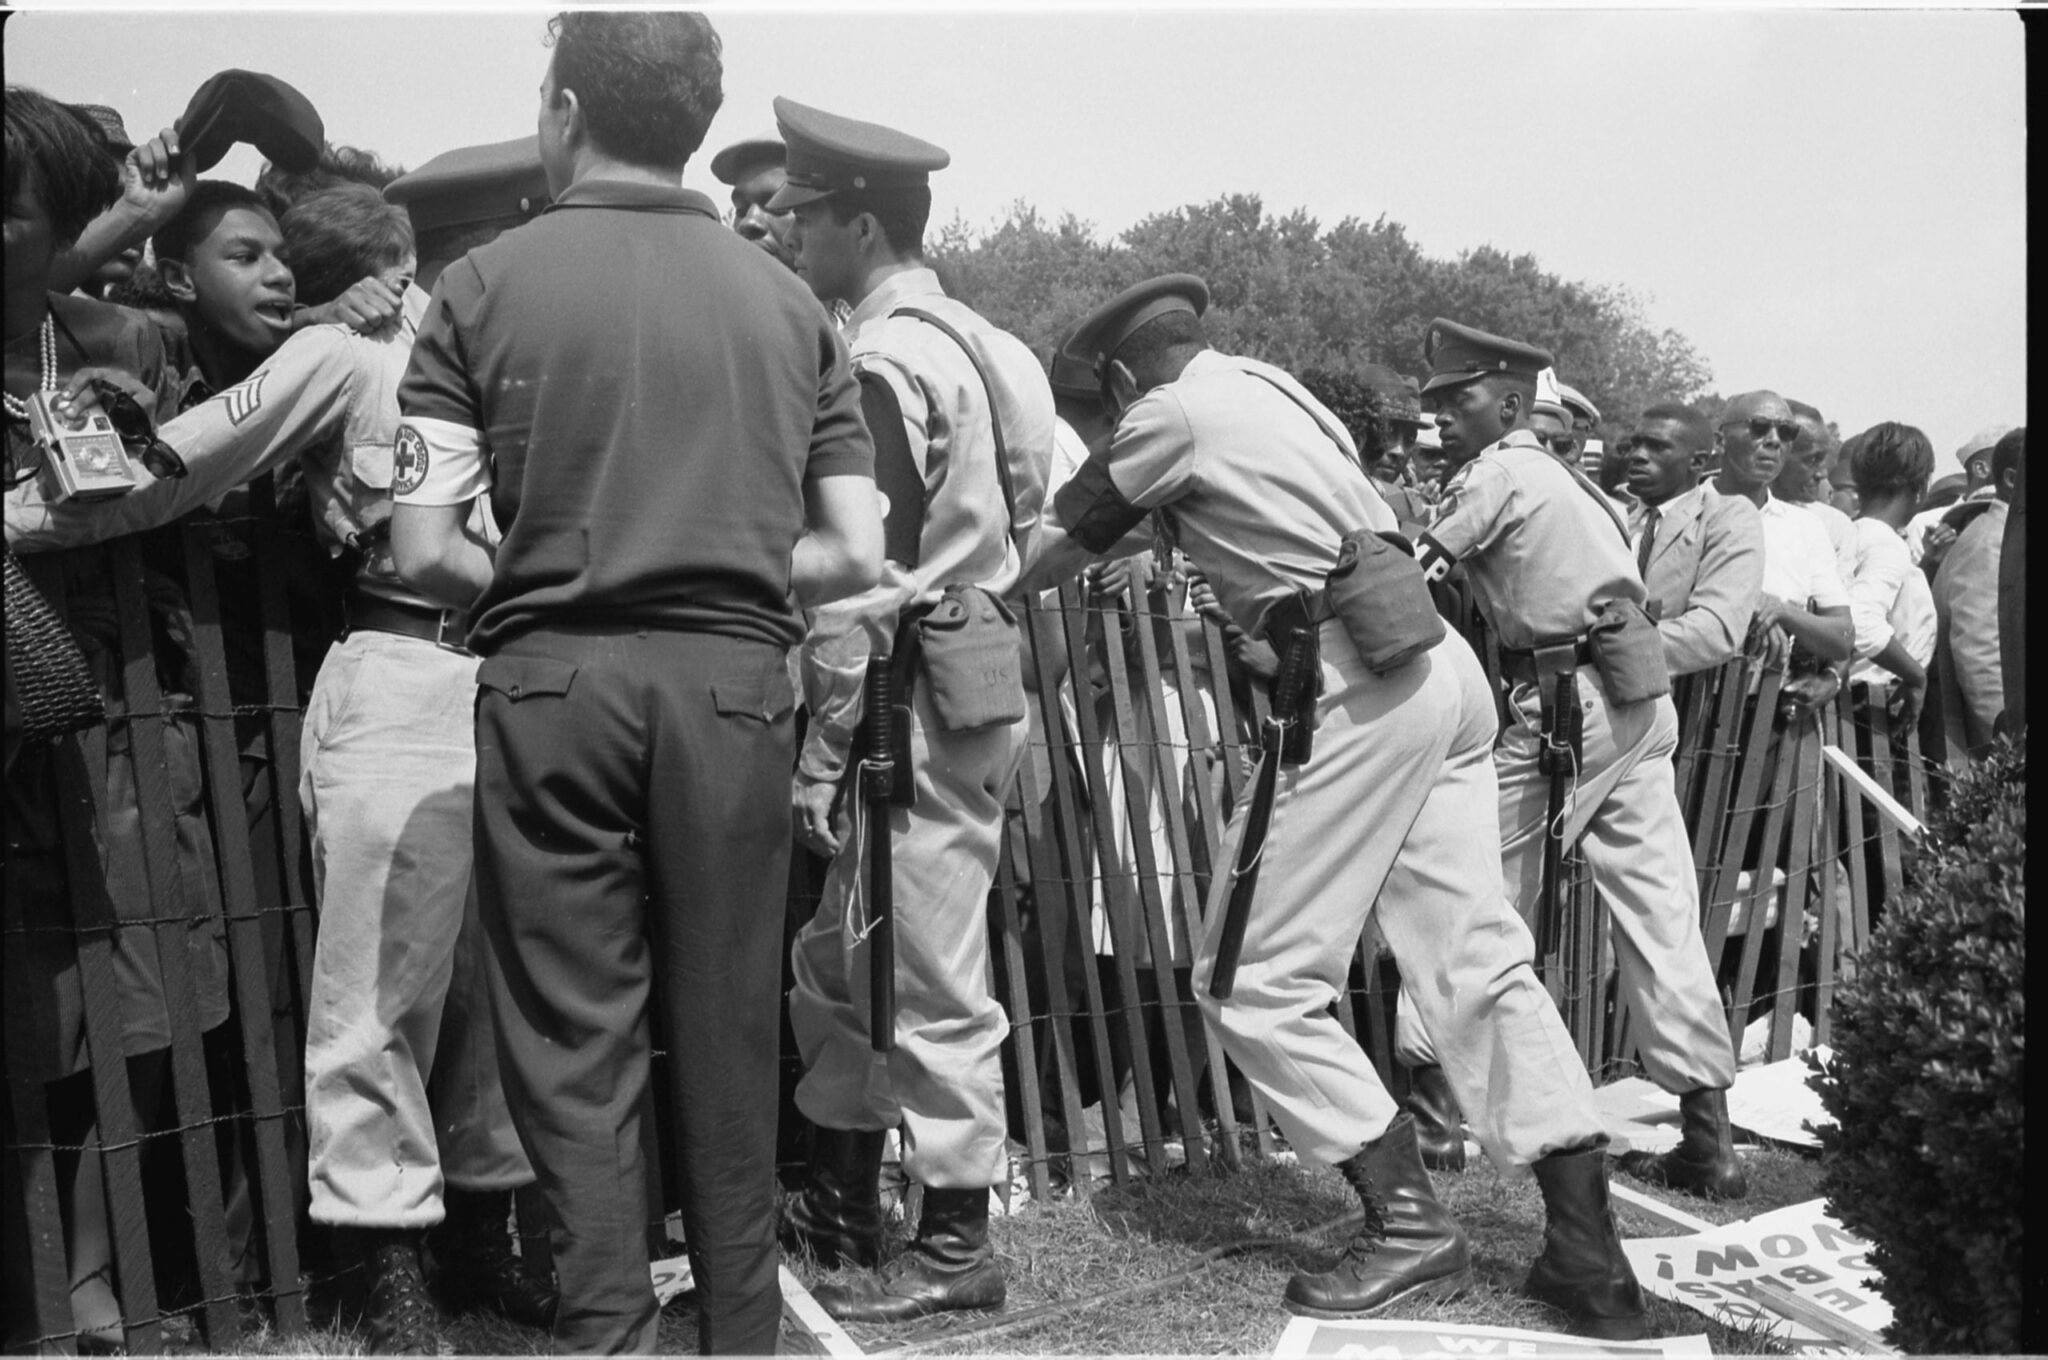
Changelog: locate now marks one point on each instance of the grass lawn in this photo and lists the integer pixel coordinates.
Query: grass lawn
(1220, 1248)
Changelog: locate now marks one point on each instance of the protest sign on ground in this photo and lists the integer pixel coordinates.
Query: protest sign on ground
(1795, 1272)
(1413, 1340)
(1777, 1101)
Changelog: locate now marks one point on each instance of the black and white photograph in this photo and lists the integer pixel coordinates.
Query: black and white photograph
(841, 679)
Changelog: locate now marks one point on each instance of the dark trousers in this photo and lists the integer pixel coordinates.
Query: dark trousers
(632, 844)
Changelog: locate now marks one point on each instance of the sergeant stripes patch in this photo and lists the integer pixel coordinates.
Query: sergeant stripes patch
(244, 399)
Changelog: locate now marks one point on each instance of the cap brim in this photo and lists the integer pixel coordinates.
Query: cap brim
(729, 164)
(795, 196)
(1442, 380)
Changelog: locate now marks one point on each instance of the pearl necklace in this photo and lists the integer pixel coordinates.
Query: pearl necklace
(18, 408)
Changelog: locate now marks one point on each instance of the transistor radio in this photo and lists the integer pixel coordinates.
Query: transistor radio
(85, 459)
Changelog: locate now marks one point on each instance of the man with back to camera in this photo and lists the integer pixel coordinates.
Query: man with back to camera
(1550, 562)
(1701, 554)
(1262, 487)
(964, 430)
(666, 492)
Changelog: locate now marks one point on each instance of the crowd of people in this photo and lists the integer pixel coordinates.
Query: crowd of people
(649, 543)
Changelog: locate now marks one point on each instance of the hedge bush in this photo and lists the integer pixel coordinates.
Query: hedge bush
(1927, 1159)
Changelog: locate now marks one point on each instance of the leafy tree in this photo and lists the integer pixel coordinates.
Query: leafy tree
(1285, 290)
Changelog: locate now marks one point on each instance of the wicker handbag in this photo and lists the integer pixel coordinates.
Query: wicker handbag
(54, 689)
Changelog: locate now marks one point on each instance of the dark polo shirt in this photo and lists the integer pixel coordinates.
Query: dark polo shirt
(651, 393)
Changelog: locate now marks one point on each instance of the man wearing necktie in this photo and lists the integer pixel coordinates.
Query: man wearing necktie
(1700, 553)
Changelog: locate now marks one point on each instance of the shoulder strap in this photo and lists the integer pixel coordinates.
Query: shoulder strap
(995, 422)
(1281, 388)
(1599, 498)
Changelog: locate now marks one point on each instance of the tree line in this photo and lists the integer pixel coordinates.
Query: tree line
(1286, 291)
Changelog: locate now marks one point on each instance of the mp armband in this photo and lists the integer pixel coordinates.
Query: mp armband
(1094, 511)
(1436, 560)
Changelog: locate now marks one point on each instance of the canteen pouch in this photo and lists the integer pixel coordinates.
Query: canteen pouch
(1628, 653)
(1377, 592)
(972, 660)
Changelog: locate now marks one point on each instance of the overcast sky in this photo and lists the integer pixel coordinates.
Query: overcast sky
(1828, 203)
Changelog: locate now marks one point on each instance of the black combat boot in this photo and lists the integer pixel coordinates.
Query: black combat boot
(475, 1268)
(1704, 1162)
(1439, 1125)
(837, 1216)
(949, 1267)
(1582, 1269)
(1409, 1244)
(393, 1307)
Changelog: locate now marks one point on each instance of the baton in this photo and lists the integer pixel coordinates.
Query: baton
(1289, 687)
(1560, 743)
(878, 781)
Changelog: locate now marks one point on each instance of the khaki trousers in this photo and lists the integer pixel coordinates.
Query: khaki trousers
(943, 1082)
(1394, 813)
(1625, 806)
(402, 1087)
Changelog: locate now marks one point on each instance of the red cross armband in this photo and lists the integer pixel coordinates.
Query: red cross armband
(1435, 558)
(1094, 511)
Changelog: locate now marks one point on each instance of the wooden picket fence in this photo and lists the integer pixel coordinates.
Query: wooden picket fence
(1137, 755)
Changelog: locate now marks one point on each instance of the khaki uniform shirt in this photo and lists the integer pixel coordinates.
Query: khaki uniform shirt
(328, 397)
(1542, 546)
(1256, 480)
(970, 534)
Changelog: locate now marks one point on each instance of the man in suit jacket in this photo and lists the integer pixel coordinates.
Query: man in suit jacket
(1701, 553)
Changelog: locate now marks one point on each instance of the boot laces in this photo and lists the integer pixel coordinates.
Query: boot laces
(1373, 1231)
(399, 1309)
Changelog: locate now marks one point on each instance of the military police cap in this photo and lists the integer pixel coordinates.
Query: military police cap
(1072, 374)
(248, 106)
(827, 154)
(1575, 402)
(1398, 401)
(1458, 354)
(1096, 337)
(473, 184)
(731, 164)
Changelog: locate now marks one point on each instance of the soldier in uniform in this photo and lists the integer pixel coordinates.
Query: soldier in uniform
(467, 197)
(633, 704)
(752, 169)
(1261, 485)
(1551, 564)
(963, 424)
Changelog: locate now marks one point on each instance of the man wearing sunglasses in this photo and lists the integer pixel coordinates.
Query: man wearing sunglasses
(1701, 553)
(1803, 595)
